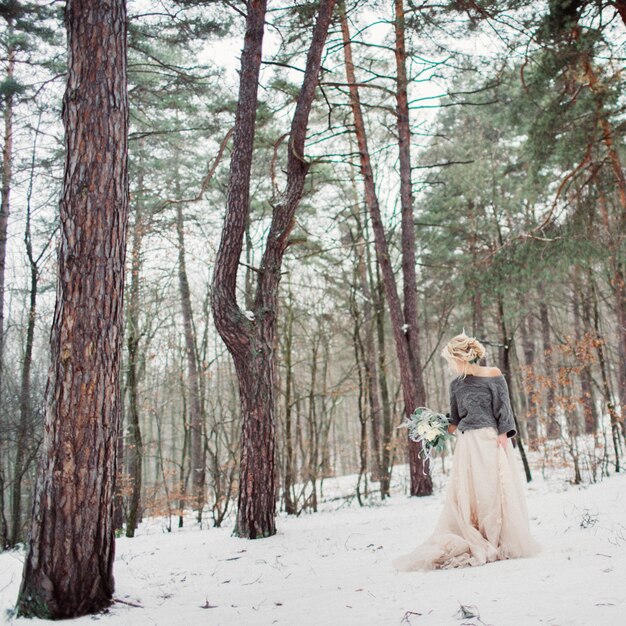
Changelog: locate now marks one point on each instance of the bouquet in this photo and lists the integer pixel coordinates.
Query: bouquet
(428, 428)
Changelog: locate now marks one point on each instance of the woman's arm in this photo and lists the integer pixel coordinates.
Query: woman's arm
(502, 408)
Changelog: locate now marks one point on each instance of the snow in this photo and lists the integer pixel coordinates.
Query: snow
(334, 567)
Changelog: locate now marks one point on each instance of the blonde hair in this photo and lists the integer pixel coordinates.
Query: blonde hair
(461, 351)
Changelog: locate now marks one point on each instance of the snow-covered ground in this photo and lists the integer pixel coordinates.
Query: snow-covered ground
(334, 568)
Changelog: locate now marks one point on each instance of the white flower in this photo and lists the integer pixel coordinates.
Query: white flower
(432, 434)
(422, 428)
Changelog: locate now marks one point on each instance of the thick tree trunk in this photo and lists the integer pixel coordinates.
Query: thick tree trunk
(421, 483)
(250, 337)
(255, 517)
(68, 567)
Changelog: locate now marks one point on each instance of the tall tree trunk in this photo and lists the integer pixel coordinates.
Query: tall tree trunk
(7, 165)
(421, 483)
(196, 421)
(135, 442)
(251, 341)
(68, 569)
(387, 456)
(7, 177)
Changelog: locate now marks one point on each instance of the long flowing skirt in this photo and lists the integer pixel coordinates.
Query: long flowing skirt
(485, 517)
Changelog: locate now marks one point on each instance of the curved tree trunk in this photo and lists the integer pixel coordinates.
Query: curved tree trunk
(68, 568)
(412, 391)
(250, 337)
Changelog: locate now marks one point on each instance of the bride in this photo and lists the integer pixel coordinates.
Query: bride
(484, 518)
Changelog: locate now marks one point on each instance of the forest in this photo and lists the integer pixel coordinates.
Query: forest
(230, 261)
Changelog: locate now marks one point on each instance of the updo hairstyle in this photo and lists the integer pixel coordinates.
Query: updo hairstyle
(461, 351)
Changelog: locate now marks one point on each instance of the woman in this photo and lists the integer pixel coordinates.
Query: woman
(484, 518)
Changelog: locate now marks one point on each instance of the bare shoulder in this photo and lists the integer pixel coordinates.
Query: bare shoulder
(495, 371)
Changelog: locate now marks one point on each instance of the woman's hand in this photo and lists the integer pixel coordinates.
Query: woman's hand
(503, 440)
(452, 428)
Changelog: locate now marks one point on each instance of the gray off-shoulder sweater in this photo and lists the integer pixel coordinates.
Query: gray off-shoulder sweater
(480, 401)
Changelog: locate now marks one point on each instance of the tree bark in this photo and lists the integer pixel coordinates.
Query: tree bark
(7, 177)
(7, 165)
(421, 483)
(250, 337)
(68, 567)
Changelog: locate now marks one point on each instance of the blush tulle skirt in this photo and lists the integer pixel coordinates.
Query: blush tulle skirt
(485, 517)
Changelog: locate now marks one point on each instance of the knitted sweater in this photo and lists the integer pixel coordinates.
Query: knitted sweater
(481, 401)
